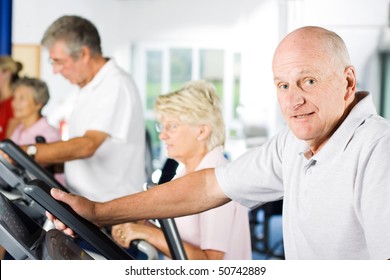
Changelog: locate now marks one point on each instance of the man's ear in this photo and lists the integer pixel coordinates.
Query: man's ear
(350, 76)
(85, 54)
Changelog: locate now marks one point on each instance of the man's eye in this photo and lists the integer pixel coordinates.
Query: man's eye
(310, 81)
(283, 86)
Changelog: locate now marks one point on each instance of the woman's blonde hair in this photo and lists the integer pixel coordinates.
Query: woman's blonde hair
(196, 103)
(8, 64)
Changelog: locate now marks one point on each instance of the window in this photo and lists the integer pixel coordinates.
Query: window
(180, 67)
(237, 84)
(153, 77)
(385, 86)
(212, 68)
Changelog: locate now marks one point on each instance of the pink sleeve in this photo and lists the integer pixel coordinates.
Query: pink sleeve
(216, 227)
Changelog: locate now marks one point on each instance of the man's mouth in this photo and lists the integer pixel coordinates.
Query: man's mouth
(302, 116)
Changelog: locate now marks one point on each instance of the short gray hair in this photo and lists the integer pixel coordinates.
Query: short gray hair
(196, 103)
(76, 32)
(39, 87)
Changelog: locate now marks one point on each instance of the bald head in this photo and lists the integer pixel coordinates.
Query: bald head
(315, 40)
(315, 83)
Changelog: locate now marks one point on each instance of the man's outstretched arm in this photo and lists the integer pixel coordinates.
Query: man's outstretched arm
(193, 193)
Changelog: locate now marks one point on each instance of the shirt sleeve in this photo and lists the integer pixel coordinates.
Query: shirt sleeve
(256, 177)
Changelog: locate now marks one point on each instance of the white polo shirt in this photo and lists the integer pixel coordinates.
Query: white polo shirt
(337, 203)
(109, 103)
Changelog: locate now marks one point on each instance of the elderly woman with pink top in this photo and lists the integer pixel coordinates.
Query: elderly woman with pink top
(192, 128)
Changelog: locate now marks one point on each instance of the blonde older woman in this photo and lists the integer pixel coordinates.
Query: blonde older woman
(191, 125)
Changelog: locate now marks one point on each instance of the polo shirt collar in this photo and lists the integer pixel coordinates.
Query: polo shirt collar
(110, 63)
(215, 156)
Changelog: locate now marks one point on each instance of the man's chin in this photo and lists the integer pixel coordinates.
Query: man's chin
(302, 134)
(71, 80)
(76, 83)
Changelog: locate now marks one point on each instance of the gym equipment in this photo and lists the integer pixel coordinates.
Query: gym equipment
(23, 238)
(33, 184)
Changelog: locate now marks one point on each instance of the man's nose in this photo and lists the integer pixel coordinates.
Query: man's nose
(57, 68)
(294, 98)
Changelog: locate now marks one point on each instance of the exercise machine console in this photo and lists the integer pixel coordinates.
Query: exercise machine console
(23, 238)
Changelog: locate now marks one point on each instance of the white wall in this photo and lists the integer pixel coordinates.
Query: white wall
(255, 26)
(251, 24)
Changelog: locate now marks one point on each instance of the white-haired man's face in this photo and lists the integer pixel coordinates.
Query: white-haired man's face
(75, 70)
(312, 89)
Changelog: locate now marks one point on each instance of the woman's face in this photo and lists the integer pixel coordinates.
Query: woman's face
(23, 103)
(5, 77)
(181, 139)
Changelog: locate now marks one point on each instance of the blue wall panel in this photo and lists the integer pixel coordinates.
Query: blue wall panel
(5, 27)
